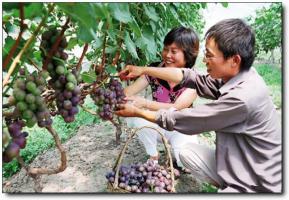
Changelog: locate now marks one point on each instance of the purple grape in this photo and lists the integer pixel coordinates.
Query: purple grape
(25, 134)
(67, 104)
(20, 141)
(14, 129)
(122, 185)
(73, 111)
(76, 91)
(111, 179)
(12, 151)
(67, 94)
(75, 100)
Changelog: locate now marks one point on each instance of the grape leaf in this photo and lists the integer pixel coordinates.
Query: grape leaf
(130, 46)
(120, 12)
(88, 77)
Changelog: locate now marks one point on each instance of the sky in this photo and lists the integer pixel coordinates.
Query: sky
(215, 12)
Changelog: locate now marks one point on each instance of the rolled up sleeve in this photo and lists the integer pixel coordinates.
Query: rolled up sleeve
(217, 115)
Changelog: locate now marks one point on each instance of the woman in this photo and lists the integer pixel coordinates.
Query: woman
(180, 50)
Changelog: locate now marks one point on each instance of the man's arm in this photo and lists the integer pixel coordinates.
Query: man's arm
(129, 110)
(169, 74)
(205, 86)
(212, 116)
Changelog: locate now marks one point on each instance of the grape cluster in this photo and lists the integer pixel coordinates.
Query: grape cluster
(29, 105)
(48, 39)
(147, 177)
(63, 81)
(67, 95)
(11, 150)
(107, 99)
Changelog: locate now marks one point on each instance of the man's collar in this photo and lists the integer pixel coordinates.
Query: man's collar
(236, 80)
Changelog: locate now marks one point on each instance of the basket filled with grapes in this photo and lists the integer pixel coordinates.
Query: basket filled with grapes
(148, 177)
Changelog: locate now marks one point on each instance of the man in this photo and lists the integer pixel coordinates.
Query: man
(248, 156)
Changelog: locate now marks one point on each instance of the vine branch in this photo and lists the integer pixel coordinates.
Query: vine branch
(87, 110)
(101, 67)
(23, 26)
(82, 56)
(34, 64)
(117, 55)
(61, 167)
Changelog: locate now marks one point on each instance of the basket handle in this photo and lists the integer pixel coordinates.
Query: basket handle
(120, 157)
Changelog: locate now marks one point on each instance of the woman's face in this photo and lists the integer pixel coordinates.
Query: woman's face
(173, 56)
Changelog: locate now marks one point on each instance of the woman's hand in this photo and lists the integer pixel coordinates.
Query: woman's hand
(138, 101)
(130, 72)
(127, 110)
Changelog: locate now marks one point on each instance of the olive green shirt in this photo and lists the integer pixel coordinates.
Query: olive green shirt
(248, 131)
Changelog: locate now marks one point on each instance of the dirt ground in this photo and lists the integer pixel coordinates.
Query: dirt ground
(90, 154)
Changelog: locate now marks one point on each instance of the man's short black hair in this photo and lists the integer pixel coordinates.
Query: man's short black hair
(187, 40)
(234, 36)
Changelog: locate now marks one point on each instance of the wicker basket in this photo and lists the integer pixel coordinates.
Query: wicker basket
(113, 187)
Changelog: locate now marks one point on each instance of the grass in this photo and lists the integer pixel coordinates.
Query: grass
(273, 78)
(40, 139)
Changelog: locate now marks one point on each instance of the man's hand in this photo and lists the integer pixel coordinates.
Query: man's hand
(127, 110)
(130, 72)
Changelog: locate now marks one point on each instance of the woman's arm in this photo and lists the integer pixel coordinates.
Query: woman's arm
(133, 89)
(185, 100)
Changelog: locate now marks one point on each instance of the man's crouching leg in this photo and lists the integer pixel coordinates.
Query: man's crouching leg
(202, 163)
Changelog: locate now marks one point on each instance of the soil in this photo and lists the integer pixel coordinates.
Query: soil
(91, 153)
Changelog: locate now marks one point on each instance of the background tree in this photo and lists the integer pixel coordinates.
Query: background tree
(268, 29)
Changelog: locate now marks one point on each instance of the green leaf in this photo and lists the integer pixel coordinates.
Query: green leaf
(112, 34)
(204, 5)
(225, 4)
(110, 49)
(110, 69)
(135, 28)
(71, 43)
(120, 12)
(151, 13)
(130, 45)
(33, 10)
(37, 55)
(149, 41)
(7, 6)
(88, 77)
(101, 10)
(97, 43)
(84, 34)
(84, 14)
(9, 41)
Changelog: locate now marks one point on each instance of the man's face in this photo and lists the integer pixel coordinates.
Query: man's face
(217, 66)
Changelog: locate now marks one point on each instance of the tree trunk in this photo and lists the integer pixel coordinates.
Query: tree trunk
(272, 56)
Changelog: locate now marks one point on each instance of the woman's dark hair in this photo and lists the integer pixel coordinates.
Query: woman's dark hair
(234, 36)
(187, 40)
